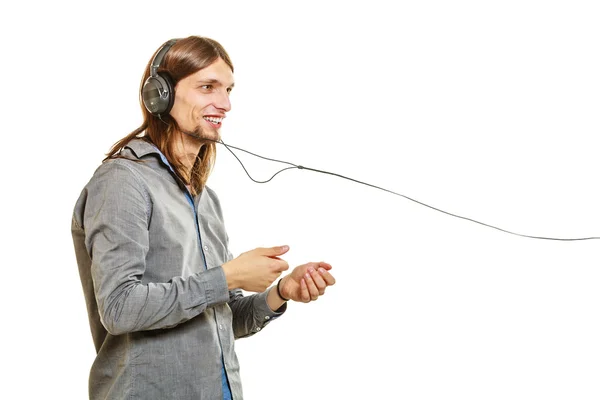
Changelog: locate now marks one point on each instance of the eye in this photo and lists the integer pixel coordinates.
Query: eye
(206, 87)
(229, 90)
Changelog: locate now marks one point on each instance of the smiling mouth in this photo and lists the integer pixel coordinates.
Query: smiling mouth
(214, 120)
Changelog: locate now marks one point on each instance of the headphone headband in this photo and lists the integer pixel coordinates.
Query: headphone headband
(160, 54)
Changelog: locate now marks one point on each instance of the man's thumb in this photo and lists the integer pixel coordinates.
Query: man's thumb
(278, 250)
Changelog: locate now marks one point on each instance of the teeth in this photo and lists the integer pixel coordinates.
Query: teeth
(213, 119)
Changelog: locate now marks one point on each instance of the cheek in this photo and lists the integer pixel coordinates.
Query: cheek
(185, 102)
(196, 114)
(181, 108)
(196, 105)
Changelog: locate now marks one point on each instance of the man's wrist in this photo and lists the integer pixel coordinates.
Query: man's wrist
(278, 288)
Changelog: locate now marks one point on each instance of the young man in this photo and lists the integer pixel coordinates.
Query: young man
(163, 292)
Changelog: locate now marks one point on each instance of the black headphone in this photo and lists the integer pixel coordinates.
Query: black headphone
(158, 93)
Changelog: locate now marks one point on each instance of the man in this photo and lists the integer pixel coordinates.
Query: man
(163, 292)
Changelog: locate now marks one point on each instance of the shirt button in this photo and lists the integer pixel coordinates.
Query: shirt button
(220, 326)
(267, 317)
(206, 247)
(257, 329)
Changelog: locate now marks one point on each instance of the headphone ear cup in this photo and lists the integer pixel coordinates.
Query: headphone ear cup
(158, 94)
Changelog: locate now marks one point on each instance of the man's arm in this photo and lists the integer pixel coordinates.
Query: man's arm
(115, 221)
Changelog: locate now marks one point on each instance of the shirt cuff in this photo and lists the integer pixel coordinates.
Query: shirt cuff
(262, 307)
(215, 286)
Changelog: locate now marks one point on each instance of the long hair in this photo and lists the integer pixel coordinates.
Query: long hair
(186, 57)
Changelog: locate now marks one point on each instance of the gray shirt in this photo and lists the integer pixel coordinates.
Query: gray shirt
(150, 261)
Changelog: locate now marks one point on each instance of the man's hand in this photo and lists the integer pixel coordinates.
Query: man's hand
(307, 282)
(255, 270)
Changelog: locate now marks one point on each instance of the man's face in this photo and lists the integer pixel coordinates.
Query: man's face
(202, 99)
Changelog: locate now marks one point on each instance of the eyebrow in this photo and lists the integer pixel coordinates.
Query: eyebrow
(213, 81)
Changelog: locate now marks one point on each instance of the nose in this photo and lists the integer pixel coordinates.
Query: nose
(222, 101)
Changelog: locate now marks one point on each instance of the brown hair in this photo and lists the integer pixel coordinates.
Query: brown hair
(184, 58)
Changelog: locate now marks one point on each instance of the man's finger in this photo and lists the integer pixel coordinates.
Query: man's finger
(274, 251)
(318, 280)
(312, 288)
(304, 295)
(327, 277)
(282, 265)
(324, 265)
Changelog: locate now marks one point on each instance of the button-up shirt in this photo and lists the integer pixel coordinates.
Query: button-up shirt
(150, 260)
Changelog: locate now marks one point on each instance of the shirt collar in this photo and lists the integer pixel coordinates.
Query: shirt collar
(141, 148)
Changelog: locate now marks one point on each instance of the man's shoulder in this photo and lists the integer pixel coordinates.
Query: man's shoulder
(117, 166)
(117, 175)
(136, 156)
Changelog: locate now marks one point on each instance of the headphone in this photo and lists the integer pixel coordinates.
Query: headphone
(158, 92)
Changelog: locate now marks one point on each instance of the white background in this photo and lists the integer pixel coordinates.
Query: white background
(489, 110)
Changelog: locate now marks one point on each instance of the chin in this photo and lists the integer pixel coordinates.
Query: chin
(211, 134)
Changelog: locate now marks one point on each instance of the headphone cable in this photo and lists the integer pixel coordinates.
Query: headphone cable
(295, 166)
